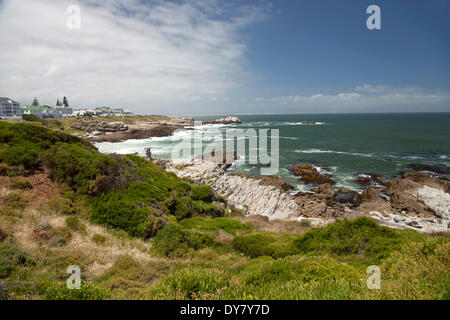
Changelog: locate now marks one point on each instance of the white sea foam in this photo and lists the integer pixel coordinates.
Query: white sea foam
(367, 155)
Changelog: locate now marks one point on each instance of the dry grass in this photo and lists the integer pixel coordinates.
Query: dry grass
(25, 229)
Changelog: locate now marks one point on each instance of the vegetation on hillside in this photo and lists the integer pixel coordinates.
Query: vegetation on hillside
(140, 232)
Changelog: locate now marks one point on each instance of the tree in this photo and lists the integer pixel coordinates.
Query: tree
(35, 102)
(58, 103)
(65, 102)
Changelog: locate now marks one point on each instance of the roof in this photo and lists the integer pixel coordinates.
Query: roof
(7, 100)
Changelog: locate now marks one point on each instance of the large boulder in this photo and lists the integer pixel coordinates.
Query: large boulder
(345, 195)
(309, 174)
(371, 179)
(228, 120)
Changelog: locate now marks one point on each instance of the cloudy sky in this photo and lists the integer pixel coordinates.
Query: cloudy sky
(228, 57)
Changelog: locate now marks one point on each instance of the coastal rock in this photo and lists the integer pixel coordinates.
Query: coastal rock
(347, 195)
(269, 180)
(324, 190)
(99, 126)
(371, 201)
(227, 120)
(309, 174)
(309, 123)
(266, 197)
(437, 200)
(371, 179)
(137, 132)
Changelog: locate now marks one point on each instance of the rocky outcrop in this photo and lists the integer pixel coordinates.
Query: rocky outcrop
(309, 174)
(99, 126)
(371, 180)
(227, 120)
(268, 180)
(412, 205)
(437, 200)
(309, 123)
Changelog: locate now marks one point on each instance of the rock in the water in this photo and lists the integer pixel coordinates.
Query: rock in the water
(309, 174)
(228, 120)
(371, 179)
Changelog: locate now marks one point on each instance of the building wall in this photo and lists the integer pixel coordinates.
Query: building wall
(9, 110)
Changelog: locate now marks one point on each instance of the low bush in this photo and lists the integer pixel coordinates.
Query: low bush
(228, 225)
(99, 239)
(418, 271)
(265, 244)
(183, 208)
(59, 291)
(190, 284)
(16, 201)
(53, 236)
(12, 257)
(22, 184)
(60, 205)
(31, 117)
(361, 236)
(174, 240)
(74, 223)
(203, 192)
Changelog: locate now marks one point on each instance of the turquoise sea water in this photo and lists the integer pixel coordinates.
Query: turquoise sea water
(342, 145)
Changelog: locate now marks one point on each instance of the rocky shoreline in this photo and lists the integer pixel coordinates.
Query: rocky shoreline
(103, 131)
(116, 131)
(414, 201)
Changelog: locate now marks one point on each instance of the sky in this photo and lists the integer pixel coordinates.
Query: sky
(202, 57)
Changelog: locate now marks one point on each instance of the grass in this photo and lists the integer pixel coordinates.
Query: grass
(228, 225)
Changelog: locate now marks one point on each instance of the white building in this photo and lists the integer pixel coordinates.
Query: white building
(9, 108)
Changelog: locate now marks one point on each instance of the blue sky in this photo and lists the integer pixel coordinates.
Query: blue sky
(228, 57)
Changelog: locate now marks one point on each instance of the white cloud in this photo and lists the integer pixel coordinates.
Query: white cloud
(367, 98)
(145, 56)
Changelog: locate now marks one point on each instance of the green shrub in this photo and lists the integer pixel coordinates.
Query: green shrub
(190, 284)
(183, 207)
(60, 205)
(15, 201)
(203, 192)
(75, 224)
(361, 236)
(296, 278)
(265, 244)
(31, 117)
(173, 240)
(22, 184)
(226, 224)
(59, 291)
(12, 257)
(99, 239)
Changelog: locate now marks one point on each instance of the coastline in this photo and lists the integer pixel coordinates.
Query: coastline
(399, 203)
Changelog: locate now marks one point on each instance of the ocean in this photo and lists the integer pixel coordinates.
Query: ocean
(344, 146)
